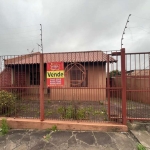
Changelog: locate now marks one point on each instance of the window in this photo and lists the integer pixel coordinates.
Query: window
(34, 78)
(78, 78)
(48, 90)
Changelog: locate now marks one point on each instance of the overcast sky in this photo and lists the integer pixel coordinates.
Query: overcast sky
(73, 25)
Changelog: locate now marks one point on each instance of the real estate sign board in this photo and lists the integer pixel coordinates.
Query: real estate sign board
(55, 74)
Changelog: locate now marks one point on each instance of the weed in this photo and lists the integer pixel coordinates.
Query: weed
(74, 112)
(54, 128)
(66, 112)
(48, 113)
(81, 114)
(4, 127)
(141, 147)
(47, 137)
(102, 113)
(48, 101)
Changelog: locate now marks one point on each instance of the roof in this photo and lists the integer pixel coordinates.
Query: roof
(88, 56)
(142, 72)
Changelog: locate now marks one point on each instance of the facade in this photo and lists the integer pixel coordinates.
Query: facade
(84, 75)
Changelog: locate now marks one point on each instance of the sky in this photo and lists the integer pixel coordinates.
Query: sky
(73, 25)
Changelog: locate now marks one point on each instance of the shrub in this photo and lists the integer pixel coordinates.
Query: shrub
(66, 112)
(7, 102)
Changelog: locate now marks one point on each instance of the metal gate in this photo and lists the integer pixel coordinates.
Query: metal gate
(116, 87)
(129, 87)
(138, 86)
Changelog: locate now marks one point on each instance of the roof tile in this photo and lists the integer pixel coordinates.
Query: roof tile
(90, 56)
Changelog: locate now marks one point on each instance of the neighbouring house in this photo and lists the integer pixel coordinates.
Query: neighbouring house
(137, 85)
(84, 75)
(139, 72)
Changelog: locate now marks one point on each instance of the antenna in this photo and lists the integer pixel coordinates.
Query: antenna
(31, 50)
(124, 30)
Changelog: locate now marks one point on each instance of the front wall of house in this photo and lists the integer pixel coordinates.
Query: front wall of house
(21, 78)
(95, 90)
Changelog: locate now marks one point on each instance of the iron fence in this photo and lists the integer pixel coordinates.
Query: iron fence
(38, 91)
(85, 86)
(19, 86)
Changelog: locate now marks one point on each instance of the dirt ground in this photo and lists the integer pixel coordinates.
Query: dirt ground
(63, 110)
(96, 111)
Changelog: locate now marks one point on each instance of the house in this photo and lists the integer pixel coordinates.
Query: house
(84, 75)
(139, 72)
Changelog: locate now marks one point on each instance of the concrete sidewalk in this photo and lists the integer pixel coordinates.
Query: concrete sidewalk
(67, 140)
(76, 140)
(141, 132)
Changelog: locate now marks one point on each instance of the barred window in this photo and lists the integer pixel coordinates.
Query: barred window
(34, 78)
(78, 78)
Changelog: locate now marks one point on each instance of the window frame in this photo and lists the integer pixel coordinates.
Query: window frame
(77, 78)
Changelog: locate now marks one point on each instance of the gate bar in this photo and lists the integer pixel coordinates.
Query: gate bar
(123, 79)
(108, 87)
(41, 88)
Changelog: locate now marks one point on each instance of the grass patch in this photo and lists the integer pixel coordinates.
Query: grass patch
(4, 128)
(141, 147)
